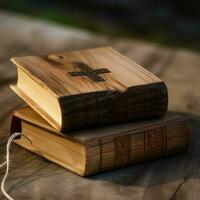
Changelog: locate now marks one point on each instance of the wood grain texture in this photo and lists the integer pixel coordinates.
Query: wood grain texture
(52, 71)
(88, 136)
(32, 177)
(111, 147)
(88, 96)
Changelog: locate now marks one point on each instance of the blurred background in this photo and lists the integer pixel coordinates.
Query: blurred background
(162, 36)
(168, 23)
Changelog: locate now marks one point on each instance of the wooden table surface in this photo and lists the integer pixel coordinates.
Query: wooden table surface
(32, 177)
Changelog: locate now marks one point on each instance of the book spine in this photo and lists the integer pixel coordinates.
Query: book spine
(109, 107)
(149, 144)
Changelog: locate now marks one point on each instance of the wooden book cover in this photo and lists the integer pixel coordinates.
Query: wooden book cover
(95, 150)
(88, 88)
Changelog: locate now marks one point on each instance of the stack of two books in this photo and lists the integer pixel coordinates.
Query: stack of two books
(94, 110)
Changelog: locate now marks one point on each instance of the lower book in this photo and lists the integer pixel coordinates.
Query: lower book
(91, 151)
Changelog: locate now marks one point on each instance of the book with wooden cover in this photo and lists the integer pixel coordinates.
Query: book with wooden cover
(89, 88)
(95, 150)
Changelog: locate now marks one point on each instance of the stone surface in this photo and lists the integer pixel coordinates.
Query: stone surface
(32, 177)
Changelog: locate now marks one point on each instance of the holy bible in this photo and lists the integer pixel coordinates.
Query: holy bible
(89, 88)
(95, 150)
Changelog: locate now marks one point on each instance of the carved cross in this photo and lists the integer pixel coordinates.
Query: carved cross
(89, 72)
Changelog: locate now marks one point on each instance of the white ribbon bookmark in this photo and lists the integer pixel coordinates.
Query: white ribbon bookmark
(6, 162)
